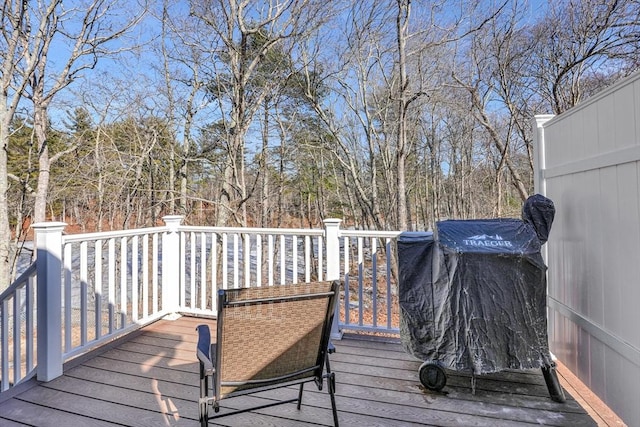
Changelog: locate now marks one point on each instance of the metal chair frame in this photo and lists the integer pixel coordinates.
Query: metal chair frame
(294, 353)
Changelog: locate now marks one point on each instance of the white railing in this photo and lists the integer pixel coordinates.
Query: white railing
(17, 330)
(253, 257)
(111, 284)
(372, 301)
(87, 289)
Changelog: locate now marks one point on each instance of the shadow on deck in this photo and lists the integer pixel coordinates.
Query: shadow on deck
(151, 379)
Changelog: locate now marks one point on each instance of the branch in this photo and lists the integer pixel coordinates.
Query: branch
(24, 183)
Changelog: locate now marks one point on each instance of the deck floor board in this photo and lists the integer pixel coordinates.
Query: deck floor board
(151, 379)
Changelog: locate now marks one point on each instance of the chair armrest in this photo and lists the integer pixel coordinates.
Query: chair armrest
(204, 348)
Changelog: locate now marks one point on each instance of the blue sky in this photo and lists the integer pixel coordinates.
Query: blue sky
(134, 69)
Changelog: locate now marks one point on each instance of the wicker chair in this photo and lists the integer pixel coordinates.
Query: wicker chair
(267, 337)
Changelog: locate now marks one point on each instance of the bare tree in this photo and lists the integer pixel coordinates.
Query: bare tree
(355, 137)
(182, 93)
(89, 26)
(513, 70)
(95, 165)
(18, 66)
(403, 100)
(493, 76)
(575, 40)
(248, 32)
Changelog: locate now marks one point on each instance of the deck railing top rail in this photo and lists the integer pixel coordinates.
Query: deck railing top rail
(103, 235)
(255, 230)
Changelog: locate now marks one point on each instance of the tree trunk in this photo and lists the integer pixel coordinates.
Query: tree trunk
(401, 148)
(229, 199)
(44, 162)
(264, 170)
(5, 230)
(100, 179)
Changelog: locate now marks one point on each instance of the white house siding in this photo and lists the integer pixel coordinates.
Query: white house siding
(589, 165)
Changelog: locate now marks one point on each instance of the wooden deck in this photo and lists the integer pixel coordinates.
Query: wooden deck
(151, 379)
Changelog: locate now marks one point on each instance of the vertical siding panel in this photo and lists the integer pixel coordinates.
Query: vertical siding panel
(636, 109)
(624, 118)
(598, 360)
(574, 132)
(620, 371)
(609, 206)
(554, 251)
(606, 125)
(571, 335)
(596, 270)
(629, 241)
(590, 131)
(554, 135)
(636, 280)
(583, 362)
(578, 244)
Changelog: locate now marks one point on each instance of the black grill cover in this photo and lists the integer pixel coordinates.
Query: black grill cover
(538, 211)
(473, 296)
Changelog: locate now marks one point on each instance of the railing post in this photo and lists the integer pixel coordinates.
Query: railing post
(48, 236)
(540, 184)
(332, 239)
(171, 259)
(539, 163)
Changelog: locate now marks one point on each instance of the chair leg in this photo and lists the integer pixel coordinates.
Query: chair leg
(329, 374)
(332, 389)
(331, 385)
(204, 405)
(300, 396)
(204, 415)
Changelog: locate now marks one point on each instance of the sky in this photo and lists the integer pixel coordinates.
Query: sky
(131, 72)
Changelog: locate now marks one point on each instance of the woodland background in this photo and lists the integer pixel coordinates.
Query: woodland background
(389, 114)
